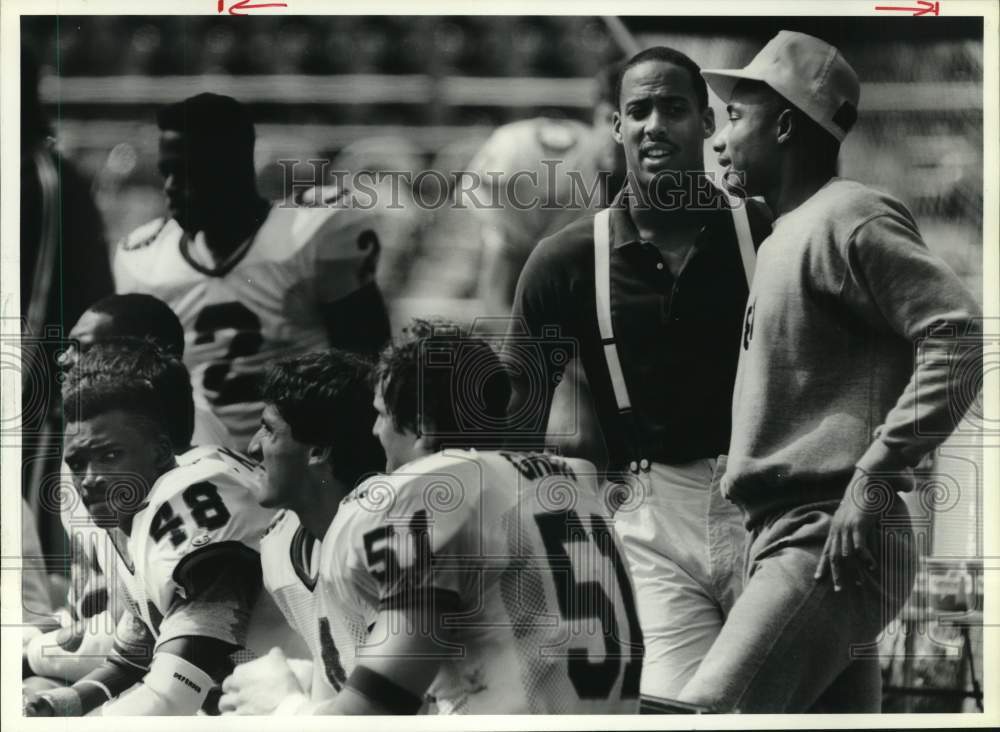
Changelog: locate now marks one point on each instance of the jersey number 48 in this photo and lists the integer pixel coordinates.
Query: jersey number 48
(205, 507)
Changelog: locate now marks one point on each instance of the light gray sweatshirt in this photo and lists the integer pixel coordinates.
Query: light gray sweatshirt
(860, 348)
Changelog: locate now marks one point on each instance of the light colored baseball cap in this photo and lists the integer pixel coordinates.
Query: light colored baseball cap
(808, 72)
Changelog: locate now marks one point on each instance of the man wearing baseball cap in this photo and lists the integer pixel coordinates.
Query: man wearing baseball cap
(853, 339)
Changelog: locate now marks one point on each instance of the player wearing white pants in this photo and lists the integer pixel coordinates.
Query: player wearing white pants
(650, 293)
(685, 548)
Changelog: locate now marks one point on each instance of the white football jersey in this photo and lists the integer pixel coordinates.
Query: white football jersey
(289, 557)
(522, 545)
(79, 527)
(556, 162)
(87, 541)
(208, 428)
(201, 514)
(261, 304)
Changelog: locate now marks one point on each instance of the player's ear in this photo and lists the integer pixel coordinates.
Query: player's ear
(425, 445)
(708, 121)
(616, 126)
(319, 455)
(785, 125)
(164, 452)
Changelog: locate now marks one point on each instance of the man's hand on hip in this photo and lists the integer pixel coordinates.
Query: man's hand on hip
(848, 551)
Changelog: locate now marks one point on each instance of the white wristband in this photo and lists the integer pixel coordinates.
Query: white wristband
(179, 681)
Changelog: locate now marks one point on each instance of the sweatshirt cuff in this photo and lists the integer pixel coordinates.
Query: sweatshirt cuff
(880, 458)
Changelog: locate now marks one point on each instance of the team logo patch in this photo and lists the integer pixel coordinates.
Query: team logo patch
(201, 539)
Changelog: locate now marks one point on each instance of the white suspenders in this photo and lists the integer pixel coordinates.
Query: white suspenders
(602, 287)
(602, 284)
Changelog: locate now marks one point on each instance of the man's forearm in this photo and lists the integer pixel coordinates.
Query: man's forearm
(946, 380)
(71, 653)
(173, 687)
(93, 690)
(893, 279)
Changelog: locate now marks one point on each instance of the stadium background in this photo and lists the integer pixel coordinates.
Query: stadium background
(422, 93)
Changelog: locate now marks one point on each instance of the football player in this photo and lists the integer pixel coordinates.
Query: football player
(144, 317)
(538, 175)
(251, 281)
(184, 538)
(87, 639)
(486, 582)
(315, 445)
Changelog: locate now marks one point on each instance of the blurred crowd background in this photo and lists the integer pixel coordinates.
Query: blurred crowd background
(423, 93)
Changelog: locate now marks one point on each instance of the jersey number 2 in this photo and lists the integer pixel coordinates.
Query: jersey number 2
(579, 600)
(246, 342)
(207, 510)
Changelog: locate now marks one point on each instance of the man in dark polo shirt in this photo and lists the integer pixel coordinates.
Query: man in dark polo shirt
(678, 287)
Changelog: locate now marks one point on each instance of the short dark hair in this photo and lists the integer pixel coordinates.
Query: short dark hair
(671, 56)
(137, 315)
(443, 382)
(326, 399)
(213, 125)
(135, 377)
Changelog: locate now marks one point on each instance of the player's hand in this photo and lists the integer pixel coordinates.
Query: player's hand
(303, 671)
(847, 553)
(29, 633)
(259, 686)
(34, 705)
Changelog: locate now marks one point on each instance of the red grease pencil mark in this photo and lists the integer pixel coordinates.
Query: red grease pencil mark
(926, 7)
(245, 5)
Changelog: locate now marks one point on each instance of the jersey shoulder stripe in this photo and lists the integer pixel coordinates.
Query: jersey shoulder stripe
(290, 230)
(281, 519)
(149, 259)
(322, 195)
(284, 542)
(145, 235)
